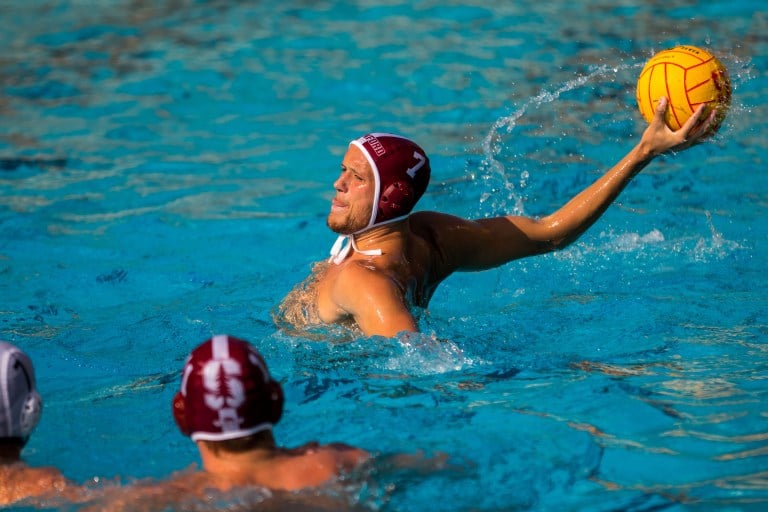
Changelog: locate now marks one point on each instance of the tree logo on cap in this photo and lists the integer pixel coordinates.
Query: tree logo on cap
(225, 392)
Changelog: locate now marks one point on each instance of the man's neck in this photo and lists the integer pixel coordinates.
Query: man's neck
(233, 465)
(10, 453)
(381, 235)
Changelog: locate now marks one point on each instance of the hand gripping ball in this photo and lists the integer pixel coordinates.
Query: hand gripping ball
(688, 76)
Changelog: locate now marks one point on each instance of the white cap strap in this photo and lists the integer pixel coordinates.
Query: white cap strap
(339, 251)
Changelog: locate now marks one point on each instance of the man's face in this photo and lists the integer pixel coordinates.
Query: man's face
(353, 203)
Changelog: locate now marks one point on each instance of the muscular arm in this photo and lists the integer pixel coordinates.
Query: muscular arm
(373, 300)
(487, 243)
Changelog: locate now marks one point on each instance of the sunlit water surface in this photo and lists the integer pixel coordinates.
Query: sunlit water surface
(165, 171)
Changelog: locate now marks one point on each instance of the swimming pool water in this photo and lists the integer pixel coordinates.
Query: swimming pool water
(166, 168)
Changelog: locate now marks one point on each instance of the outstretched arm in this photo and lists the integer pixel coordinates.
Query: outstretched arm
(577, 215)
(487, 243)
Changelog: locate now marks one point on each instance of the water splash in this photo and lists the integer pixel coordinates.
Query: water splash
(492, 144)
(425, 354)
(611, 243)
(716, 246)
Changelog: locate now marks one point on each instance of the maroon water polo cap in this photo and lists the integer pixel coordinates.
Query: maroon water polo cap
(401, 170)
(226, 392)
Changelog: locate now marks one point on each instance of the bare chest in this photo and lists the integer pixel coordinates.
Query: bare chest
(326, 305)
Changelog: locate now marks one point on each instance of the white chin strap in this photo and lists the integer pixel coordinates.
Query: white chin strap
(340, 250)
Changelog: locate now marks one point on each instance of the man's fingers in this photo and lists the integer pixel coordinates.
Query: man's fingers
(661, 110)
(694, 117)
(661, 106)
(697, 125)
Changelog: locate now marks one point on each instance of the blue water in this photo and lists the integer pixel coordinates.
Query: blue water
(165, 172)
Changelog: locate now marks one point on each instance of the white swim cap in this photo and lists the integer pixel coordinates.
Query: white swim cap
(20, 404)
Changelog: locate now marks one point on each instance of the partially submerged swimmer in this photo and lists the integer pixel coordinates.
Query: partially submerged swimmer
(228, 404)
(388, 261)
(20, 410)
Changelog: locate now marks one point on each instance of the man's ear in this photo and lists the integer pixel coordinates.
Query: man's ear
(180, 414)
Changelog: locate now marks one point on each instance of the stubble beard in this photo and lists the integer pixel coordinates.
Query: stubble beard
(343, 227)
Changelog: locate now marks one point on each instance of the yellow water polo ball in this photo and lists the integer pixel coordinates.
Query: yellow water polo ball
(687, 76)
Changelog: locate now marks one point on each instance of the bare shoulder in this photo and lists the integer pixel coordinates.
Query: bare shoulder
(450, 241)
(347, 454)
(431, 219)
(364, 283)
(335, 457)
(149, 494)
(43, 474)
(372, 292)
(442, 227)
(357, 274)
(20, 482)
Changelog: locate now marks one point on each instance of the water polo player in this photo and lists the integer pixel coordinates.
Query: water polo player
(387, 260)
(20, 410)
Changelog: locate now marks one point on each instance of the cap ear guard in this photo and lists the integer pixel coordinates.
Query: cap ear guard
(30, 414)
(180, 415)
(277, 401)
(397, 198)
